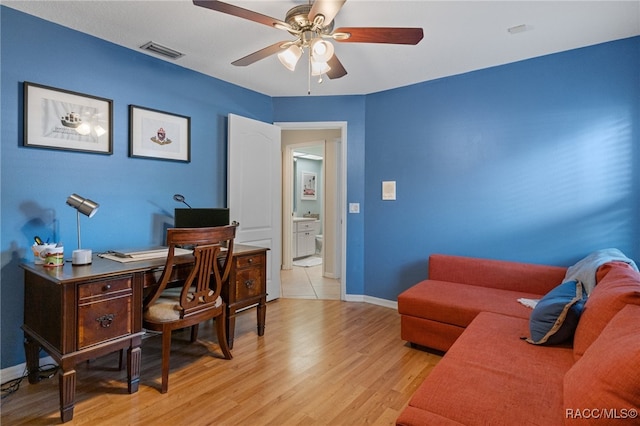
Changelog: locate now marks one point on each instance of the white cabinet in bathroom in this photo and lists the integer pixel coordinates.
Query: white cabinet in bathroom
(304, 237)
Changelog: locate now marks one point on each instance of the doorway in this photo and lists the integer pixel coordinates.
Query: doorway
(313, 151)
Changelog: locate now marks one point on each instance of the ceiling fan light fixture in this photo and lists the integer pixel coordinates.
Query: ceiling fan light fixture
(321, 50)
(312, 24)
(319, 68)
(99, 130)
(289, 58)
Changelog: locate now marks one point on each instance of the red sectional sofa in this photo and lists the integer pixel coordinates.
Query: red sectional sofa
(435, 312)
(491, 376)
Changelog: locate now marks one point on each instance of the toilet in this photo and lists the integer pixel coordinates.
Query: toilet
(319, 244)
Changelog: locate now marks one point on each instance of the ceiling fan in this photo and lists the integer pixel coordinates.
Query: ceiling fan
(312, 26)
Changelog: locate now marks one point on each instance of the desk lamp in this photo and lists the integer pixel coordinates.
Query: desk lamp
(180, 198)
(87, 208)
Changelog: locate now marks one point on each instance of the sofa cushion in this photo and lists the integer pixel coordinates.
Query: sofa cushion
(618, 286)
(499, 274)
(555, 317)
(458, 304)
(489, 376)
(607, 376)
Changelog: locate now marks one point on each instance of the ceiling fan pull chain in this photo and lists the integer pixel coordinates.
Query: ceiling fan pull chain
(309, 75)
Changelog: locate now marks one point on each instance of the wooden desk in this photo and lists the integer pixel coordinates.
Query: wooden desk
(76, 313)
(247, 287)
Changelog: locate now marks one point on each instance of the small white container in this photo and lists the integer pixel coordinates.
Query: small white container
(40, 251)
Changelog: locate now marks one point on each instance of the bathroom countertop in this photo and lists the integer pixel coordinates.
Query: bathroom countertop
(304, 219)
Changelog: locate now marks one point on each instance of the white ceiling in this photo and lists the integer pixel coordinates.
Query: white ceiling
(459, 36)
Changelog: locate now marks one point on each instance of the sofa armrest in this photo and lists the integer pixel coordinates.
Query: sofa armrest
(500, 274)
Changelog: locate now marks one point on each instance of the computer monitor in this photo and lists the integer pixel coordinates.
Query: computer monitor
(201, 218)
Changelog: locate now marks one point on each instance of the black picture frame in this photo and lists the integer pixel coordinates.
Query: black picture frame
(159, 134)
(66, 120)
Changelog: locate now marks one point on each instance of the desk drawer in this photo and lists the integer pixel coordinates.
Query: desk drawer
(249, 261)
(104, 311)
(104, 289)
(249, 283)
(102, 321)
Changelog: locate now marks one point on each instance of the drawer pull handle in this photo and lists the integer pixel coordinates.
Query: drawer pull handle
(105, 320)
(248, 283)
(107, 287)
(250, 260)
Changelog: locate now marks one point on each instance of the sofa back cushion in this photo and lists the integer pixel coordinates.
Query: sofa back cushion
(607, 378)
(500, 274)
(618, 286)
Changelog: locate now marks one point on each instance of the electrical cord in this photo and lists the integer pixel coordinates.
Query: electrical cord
(45, 371)
(12, 385)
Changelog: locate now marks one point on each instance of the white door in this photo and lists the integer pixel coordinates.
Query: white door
(254, 190)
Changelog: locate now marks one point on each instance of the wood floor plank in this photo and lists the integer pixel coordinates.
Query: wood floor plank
(320, 362)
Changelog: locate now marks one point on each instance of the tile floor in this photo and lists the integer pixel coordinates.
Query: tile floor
(308, 283)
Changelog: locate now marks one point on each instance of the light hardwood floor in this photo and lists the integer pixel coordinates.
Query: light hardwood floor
(308, 283)
(320, 362)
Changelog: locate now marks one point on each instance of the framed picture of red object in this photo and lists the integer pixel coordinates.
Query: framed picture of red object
(159, 135)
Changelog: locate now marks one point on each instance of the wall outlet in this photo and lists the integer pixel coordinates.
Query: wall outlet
(354, 207)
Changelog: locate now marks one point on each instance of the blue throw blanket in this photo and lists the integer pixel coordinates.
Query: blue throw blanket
(585, 270)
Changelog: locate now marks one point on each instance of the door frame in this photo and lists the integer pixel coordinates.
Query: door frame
(288, 199)
(287, 221)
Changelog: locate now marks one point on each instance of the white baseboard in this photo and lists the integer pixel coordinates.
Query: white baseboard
(381, 302)
(372, 300)
(353, 298)
(11, 373)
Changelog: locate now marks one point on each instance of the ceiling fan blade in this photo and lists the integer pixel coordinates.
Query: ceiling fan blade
(240, 12)
(260, 54)
(327, 8)
(379, 35)
(337, 69)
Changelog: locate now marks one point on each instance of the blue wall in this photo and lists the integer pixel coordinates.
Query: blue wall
(352, 110)
(135, 194)
(536, 161)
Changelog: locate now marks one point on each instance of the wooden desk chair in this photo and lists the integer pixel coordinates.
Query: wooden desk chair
(198, 300)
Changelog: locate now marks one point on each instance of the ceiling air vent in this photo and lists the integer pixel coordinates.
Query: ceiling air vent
(161, 50)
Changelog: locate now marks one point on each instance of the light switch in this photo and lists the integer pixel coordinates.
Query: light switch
(354, 207)
(389, 190)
